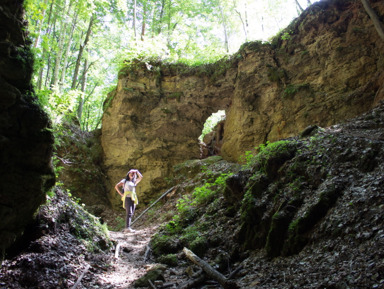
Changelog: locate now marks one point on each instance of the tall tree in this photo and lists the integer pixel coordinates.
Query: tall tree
(244, 22)
(223, 21)
(81, 50)
(66, 53)
(299, 6)
(61, 35)
(143, 23)
(134, 18)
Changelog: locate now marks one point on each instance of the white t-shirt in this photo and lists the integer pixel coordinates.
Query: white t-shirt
(129, 186)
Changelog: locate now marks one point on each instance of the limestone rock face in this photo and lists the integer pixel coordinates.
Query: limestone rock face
(25, 141)
(153, 120)
(329, 68)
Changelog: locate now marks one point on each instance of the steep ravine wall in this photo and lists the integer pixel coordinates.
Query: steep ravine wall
(25, 140)
(329, 69)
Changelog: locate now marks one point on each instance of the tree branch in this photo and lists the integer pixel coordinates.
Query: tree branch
(375, 19)
(227, 284)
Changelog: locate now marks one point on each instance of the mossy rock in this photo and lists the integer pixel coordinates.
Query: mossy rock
(163, 244)
(298, 228)
(170, 260)
(156, 273)
(199, 246)
(279, 226)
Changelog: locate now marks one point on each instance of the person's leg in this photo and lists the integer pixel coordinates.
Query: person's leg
(130, 209)
(128, 214)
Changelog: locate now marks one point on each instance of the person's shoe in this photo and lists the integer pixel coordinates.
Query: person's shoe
(130, 230)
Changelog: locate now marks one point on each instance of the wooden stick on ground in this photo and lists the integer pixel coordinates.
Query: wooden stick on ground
(162, 196)
(151, 284)
(117, 250)
(81, 276)
(227, 284)
(147, 251)
(233, 273)
(193, 283)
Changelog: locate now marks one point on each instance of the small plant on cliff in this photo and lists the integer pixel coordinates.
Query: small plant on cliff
(292, 89)
(202, 194)
(261, 154)
(188, 205)
(286, 35)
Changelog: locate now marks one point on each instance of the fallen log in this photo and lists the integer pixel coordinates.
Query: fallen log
(211, 272)
(233, 273)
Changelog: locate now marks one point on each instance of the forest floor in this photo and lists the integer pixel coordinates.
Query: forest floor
(65, 249)
(53, 257)
(129, 262)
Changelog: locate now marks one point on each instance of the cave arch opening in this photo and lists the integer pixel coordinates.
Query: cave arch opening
(211, 138)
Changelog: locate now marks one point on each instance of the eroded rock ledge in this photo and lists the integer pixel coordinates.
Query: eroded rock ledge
(25, 141)
(329, 69)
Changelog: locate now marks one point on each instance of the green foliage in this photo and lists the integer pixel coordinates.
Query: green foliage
(59, 106)
(286, 36)
(276, 74)
(211, 122)
(203, 194)
(170, 260)
(174, 227)
(292, 89)
(265, 151)
(80, 72)
(62, 209)
(163, 244)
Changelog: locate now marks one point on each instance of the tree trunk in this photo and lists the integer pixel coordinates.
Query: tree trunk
(60, 48)
(43, 55)
(134, 19)
(262, 24)
(161, 16)
(246, 19)
(84, 76)
(99, 116)
(81, 96)
(41, 23)
(143, 24)
(375, 19)
(299, 6)
(59, 54)
(48, 70)
(81, 50)
(66, 53)
(242, 22)
(224, 28)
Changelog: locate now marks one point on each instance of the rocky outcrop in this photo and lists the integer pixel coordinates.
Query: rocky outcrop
(25, 140)
(328, 68)
(152, 121)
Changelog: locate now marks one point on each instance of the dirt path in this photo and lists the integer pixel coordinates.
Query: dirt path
(130, 263)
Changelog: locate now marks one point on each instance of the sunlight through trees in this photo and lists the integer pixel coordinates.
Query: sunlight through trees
(80, 45)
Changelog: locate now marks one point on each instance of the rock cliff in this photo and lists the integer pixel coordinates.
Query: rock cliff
(328, 68)
(25, 141)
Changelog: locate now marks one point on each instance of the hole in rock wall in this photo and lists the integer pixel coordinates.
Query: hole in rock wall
(211, 138)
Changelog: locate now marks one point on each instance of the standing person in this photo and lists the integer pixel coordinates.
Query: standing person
(129, 197)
